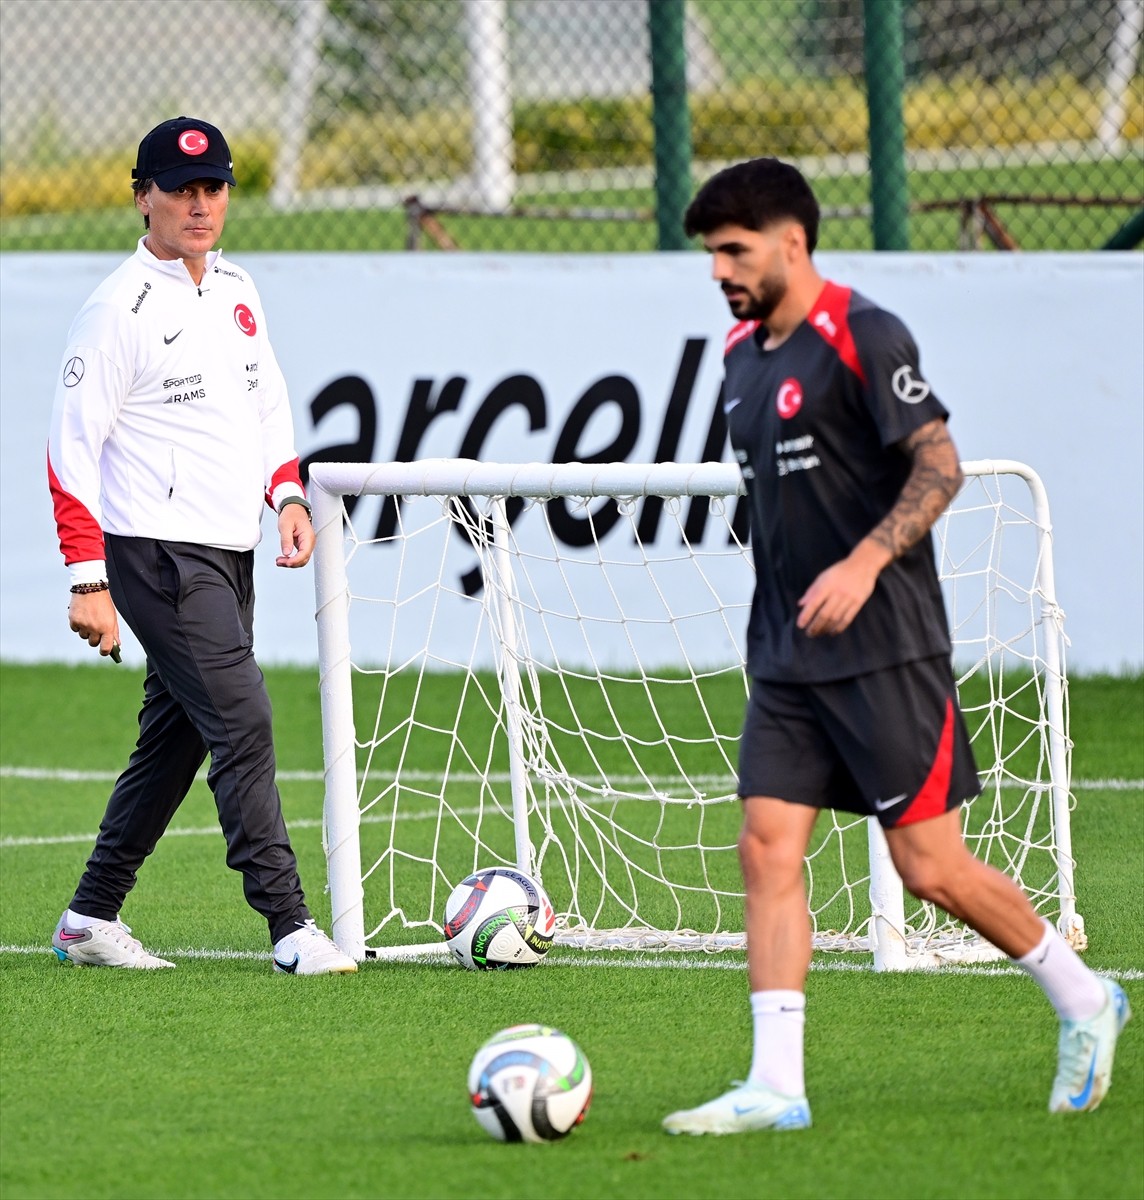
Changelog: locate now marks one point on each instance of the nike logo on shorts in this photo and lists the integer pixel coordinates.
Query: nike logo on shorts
(882, 805)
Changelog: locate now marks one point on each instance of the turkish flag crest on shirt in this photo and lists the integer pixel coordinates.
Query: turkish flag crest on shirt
(789, 398)
(244, 319)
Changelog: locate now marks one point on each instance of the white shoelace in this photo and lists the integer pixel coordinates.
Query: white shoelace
(121, 934)
(312, 929)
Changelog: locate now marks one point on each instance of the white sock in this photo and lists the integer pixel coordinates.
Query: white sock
(74, 920)
(1073, 990)
(779, 1020)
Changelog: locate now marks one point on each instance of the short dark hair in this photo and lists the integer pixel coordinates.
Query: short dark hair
(138, 186)
(754, 194)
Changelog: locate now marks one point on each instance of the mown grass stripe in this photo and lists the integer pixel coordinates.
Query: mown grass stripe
(67, 839)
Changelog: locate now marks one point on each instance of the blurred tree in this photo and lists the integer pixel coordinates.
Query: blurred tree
(398, 56)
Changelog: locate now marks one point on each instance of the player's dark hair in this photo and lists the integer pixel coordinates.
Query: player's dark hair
(754, 194)
(138, 186)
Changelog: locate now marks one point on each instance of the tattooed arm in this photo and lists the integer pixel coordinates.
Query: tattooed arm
(834, 599)
(935, 475)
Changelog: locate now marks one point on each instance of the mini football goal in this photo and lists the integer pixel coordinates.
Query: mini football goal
(542, 665)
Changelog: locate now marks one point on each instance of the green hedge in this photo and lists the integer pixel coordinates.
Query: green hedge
(806, 117)
(105, 182)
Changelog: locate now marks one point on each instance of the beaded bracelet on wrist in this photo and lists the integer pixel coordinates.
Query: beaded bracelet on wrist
(87, 589)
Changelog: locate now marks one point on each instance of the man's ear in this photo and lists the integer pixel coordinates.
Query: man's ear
(794, 240)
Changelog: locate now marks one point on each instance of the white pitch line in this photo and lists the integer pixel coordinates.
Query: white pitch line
(668, 962)
(65, 775)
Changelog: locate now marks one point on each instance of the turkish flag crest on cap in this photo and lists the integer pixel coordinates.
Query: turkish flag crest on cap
(193, 141)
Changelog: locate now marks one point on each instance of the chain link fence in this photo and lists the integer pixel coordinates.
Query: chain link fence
(581, 125)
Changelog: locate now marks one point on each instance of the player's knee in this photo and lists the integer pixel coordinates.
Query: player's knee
(249, 736)
(768, 858)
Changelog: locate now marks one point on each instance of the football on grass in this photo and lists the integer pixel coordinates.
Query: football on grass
(497, 919)
(530, 1083)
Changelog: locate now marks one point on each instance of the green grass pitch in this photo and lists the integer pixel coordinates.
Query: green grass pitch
(221, 1079)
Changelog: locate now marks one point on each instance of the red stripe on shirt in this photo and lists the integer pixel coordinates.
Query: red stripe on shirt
(933, 798)
(286, 473)
(744, 329)
(81, 538)
(830, 318)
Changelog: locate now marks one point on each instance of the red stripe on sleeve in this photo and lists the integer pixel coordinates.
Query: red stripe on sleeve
(932, 799)
(81, 538)
(830, 316)
(286, 473)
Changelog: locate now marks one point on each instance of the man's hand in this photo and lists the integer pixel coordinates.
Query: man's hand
(836, 597)
(93, 617)
(296, 536)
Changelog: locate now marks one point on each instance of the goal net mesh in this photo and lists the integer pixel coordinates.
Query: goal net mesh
(556, 680)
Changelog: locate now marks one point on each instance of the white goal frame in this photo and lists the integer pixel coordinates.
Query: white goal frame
(894, 944)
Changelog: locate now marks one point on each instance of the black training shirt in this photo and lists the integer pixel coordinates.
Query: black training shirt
(815, 425)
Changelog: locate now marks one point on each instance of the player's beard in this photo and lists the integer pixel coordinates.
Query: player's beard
(757, 304)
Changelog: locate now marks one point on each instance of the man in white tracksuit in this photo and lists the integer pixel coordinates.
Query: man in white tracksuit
(171, 429)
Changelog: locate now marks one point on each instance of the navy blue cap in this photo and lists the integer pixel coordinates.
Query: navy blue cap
(180, 150)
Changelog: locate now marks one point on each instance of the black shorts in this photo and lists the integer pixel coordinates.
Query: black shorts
(891, 744)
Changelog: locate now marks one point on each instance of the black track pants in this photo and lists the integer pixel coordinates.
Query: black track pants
(192, 609)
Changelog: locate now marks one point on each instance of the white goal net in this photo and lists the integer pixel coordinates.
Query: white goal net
(542, 665)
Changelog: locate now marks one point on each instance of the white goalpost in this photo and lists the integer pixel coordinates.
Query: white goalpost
(541, 665)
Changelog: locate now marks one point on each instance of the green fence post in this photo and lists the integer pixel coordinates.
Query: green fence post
(671, 121)
(1130, 234)
(885, 78)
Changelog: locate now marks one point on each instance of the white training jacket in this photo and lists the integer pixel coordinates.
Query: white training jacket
(171, 418)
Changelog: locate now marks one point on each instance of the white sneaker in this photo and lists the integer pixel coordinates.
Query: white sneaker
(308, 951)
(744, 1108)
(103, 944)
(1085, 1052)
